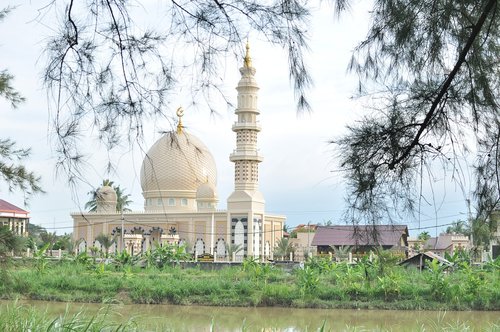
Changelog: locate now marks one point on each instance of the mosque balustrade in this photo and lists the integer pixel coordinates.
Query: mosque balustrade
(247, 125)
(251, 155)
(170, 239)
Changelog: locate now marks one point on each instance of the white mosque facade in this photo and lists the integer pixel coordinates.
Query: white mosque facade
(178, 180)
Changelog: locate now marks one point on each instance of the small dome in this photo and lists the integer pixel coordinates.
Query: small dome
(106, 193)
(106, 199)
(206, 192)
(177, 162)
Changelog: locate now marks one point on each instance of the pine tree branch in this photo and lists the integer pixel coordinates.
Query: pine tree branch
(446, 85)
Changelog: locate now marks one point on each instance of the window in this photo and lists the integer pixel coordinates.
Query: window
(158, 201)
(184, 202)
(171, 202)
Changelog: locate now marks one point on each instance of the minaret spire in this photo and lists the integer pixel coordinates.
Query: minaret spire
(246, 204)
(247, 61)
(246, 157)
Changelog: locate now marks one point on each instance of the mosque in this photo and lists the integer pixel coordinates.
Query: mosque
(179, 186)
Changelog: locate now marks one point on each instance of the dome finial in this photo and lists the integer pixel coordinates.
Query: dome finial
(180, 114)
(247, 62)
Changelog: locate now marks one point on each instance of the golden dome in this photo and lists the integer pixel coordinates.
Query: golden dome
(176, 165)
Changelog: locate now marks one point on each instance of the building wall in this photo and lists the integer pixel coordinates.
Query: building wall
(303, 245)
(190, 228)
(18, 225)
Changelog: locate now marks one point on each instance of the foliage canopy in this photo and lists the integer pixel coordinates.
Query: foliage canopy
(430, 71)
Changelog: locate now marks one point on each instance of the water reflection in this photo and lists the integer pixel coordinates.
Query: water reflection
(198, 318)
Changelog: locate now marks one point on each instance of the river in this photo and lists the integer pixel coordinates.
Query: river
(199, 318)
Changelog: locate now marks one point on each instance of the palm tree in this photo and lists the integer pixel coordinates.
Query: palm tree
(342, 252)
(283, 248)
(232, 248)
(122, 200)
(422, 239)
(72, 245)
(50, 239)
(106, 241)
(459, 227)
(424, 236)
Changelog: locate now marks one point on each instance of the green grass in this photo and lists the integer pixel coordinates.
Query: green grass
(335, 286)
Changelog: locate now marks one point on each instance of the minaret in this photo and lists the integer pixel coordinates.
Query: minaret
(246, 203)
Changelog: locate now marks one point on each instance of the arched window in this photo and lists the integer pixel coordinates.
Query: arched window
(267, 249)
(199, 247)
(239, 234)
(82, 246)
(221, 248)
(256, 238)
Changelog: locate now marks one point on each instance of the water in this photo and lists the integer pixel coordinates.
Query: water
(199, 318)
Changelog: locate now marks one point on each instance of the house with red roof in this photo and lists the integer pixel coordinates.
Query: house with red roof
(14, 217)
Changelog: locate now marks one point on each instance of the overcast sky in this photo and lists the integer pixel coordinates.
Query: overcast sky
(298, 176)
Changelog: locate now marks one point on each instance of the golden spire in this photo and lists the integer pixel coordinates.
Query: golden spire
(247, 62)
(180, 114)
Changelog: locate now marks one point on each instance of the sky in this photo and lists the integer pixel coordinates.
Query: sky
(299, 175)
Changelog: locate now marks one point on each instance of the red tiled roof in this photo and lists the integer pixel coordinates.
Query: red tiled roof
(7, 207)
(349, 235)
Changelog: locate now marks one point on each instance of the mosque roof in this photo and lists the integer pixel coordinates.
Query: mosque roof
(178, 161)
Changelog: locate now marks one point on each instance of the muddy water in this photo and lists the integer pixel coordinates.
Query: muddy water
(197, 318)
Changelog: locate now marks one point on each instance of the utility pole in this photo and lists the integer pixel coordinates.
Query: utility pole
(470, 224)
(308, 235)
(123, 229)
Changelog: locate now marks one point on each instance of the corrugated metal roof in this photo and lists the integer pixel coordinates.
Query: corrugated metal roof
(442, 242)
(7, 207)
(350, 235)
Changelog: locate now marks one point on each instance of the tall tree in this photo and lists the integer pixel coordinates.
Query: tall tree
(459, 227)
(122, 199)
(429, 69)
(12, 171)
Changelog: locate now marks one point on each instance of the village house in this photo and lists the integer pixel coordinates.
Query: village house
(361, 239)
(301, 238)
(15, 218)
(444, 243)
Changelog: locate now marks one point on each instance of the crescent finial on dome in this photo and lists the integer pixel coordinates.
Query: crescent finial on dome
(180, 114)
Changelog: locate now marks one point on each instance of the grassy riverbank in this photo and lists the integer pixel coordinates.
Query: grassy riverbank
(320, 284)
